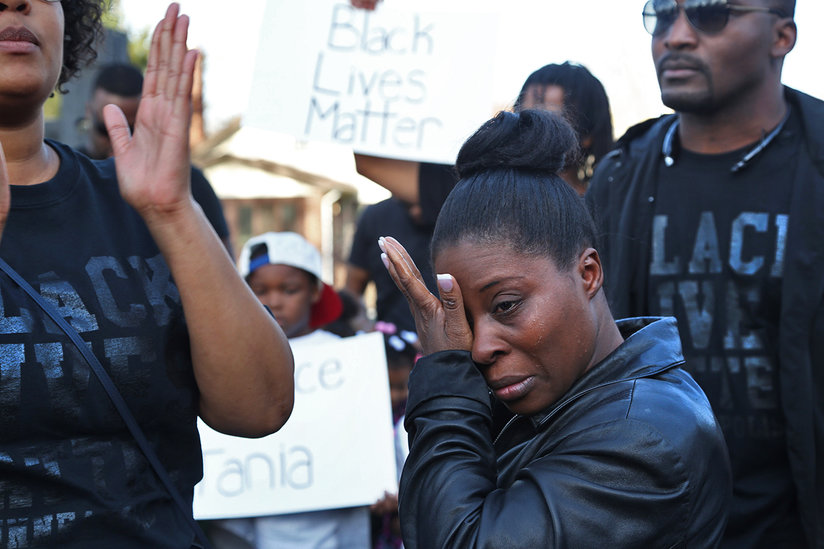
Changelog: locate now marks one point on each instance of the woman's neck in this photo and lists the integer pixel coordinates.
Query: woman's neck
(28, 159)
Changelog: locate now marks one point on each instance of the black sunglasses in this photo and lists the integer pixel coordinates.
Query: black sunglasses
(708, 17)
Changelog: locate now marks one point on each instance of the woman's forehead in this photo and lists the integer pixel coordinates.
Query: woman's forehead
(480, 255)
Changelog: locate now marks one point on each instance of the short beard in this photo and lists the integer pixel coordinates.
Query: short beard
(693, 103)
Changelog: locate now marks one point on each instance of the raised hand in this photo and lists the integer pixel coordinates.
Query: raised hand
(441, 323)
(153, 166)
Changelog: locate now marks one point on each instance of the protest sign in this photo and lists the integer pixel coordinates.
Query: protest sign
(336, 450)
(399, 82)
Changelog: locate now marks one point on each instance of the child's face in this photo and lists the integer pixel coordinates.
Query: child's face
(289, 292)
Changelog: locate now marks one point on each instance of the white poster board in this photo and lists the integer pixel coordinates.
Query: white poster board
(336, 450)
(398, 81)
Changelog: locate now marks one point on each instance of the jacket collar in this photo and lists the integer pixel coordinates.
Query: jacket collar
(810, 109)
(651, 345)
(650, 133)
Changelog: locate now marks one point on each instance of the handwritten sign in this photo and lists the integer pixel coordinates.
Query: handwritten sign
(336, 450)
(395, 82)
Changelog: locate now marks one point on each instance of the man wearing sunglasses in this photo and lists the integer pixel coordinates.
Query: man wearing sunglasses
(715, 215)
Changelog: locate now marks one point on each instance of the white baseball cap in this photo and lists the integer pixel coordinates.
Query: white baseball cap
(289, 248)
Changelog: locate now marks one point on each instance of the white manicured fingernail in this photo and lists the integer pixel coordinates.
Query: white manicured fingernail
(382, 244)
(385, 260)
(445, 282)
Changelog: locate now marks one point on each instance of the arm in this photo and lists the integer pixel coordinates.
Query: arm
(363, 246)
(365, 4)
(356, 280)
(242, 361)
(400, 177)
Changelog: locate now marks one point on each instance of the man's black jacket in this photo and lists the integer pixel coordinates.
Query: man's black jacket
(621, 197)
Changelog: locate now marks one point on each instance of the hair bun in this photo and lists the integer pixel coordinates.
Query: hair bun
(532, 140)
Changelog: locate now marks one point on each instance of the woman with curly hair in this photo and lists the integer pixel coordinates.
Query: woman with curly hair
(124, 255)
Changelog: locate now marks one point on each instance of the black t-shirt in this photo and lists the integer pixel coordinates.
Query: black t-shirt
(718, 241)
(391, 218)
(204, 194)
(71, 475)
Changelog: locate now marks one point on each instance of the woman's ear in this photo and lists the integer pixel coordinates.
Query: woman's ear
(590, 271)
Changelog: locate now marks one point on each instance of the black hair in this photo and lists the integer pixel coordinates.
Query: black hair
(510, 190)
(82, 28)
(586, 104)
(121, 79)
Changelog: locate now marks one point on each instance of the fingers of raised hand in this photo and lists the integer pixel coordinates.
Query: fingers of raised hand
(157, 66)
(176, 83)
(117, 127)
(405, 255)
(403, 271)
(456, 325)
(171, 64)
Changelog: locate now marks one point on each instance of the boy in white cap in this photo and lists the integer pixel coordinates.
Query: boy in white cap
(284, 271)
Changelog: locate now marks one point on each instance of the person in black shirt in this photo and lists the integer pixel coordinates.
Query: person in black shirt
(395, 217)
(128, 259)
(714, 215)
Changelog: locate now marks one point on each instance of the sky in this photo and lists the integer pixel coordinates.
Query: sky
(605, 35)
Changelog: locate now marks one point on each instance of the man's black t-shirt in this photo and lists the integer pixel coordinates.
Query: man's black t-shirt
(718, 241)
(204, 194)
(391, 218)
(71, 475)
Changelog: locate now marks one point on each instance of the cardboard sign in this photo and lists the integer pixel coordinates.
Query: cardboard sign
(398, 82)
(336, 450)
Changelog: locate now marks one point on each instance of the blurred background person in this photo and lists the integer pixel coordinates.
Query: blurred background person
(572, 90)
(401, 354)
